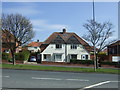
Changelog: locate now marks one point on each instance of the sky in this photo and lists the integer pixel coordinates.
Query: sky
(49, 17)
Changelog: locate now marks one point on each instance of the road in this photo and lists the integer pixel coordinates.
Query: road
(49, 79)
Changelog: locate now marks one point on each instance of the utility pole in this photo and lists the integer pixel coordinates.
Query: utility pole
(94, 38)
(93, 11)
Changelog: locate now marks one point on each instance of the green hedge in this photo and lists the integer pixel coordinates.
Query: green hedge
(81, 61)
(109, 63)
(5, 56)
(92, 62)
(24, 55)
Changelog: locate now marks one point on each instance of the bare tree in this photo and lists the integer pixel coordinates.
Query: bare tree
(98, 35)
(18, 31)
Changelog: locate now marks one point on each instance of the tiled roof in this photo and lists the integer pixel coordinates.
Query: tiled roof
(66, 36)
(34, 44)
(43, 47)
(115, 43)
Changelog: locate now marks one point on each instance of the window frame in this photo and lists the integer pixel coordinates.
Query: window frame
(72, 55)
(58, 46)
(58, 59)
(86, 57)
(73, 46)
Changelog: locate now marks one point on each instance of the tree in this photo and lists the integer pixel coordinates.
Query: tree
(18, 31)
(98, 35)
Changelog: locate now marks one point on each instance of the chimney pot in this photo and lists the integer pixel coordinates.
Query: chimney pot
(37, 40)
(64, 30)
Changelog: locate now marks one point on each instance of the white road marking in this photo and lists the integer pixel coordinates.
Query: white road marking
(46, 78)
(5, 76)
(59, 79)
(77, 79)
(91, 86)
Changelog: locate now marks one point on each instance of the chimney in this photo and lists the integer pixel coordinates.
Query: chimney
(38, 40)
(64, 30)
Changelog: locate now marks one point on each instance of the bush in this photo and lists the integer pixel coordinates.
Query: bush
(24, 55)
(75, 61)
(5, 56)
(108, 63)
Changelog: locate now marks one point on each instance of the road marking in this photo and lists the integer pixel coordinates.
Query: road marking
(94, 85)
(59, 79)
(46, 78)
(5, 76)
(77, 79)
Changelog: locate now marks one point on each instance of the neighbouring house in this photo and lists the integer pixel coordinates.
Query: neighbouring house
(114, 51)
(8, 39)
(34, 46)
(63, 46)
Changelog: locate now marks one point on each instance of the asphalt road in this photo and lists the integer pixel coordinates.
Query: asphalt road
(49, 79)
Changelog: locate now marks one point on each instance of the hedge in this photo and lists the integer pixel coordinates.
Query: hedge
(108, 63)
(5, 56)
(92, 62)
(24, 55)
(81, 61)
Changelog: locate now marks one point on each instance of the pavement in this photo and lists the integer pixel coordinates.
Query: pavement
(72, 66)
(47, 79)
(65, 65)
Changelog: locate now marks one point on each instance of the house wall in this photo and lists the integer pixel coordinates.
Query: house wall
(34, 49)
(51, 49)
(79, 51)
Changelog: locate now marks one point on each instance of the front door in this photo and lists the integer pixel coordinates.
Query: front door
(48, 57)
(38, 58)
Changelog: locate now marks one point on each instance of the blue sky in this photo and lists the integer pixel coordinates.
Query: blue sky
(49, 17)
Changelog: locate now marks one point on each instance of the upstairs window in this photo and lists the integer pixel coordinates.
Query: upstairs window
(73, 46)
(58, 46)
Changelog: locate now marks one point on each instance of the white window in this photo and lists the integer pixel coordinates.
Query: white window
(73, 46)
(58, 57)
(47, 57)
(84, 57)
(58, 46)
(73, 56)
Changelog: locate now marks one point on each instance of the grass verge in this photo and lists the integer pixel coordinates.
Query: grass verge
(54, 68)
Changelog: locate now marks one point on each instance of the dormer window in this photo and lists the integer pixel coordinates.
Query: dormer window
(73, 46)
(58, 46)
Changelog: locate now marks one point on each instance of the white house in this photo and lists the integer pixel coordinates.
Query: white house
(34, 46)
(63, 46)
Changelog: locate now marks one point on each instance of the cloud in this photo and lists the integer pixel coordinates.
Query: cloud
(59, 1)
(26, 9)
(41, 25)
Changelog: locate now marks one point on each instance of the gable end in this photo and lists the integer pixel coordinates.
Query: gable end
(58, 39)
(73, 40)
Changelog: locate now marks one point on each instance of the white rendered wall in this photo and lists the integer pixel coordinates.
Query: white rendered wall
(51, 49)
(33, 49)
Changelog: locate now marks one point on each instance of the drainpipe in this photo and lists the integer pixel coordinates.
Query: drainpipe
(65, 52)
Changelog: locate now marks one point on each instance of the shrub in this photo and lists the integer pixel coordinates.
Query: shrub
(5, 56)
(24, 55)
(81, 61)
(108, 63)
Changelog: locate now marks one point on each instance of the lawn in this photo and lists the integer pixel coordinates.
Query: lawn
(55, 68)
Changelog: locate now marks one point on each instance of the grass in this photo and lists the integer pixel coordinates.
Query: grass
(54, 68)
